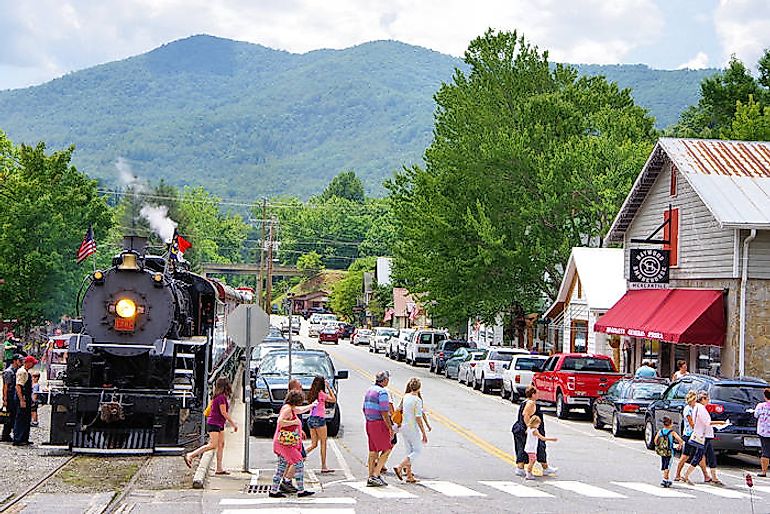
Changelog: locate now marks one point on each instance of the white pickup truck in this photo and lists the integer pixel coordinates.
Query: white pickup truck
(317, 321)
(518, 374)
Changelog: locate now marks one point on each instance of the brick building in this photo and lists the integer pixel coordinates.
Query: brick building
(707, 202)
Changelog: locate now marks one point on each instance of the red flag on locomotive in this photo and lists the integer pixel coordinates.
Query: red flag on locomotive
(87, 247)
(179, 246)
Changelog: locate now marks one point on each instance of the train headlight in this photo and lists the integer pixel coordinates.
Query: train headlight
(98, 277)
(125, 308)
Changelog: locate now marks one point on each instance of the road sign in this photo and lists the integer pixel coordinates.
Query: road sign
(258, 327)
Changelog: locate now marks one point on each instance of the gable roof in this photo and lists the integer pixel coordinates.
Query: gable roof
(732, 178)
(601, 277)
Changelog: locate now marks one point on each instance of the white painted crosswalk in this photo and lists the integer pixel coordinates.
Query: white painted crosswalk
(540, 491)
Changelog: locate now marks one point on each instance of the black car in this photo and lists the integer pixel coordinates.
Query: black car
(731, 398)
(625, 404)
(444, 350)
(270, 385)
(346, 330)
(267, 345)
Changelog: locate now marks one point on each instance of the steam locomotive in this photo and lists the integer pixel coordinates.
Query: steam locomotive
(137, 372)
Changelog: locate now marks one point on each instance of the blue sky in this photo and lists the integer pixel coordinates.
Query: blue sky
(44, 39)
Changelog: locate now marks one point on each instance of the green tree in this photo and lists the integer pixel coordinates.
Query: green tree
(345, 185)
(750, 123)
(47, 207)
(310, 263)
(527, 161)
(348, 292)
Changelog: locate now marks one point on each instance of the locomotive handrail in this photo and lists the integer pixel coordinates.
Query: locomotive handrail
(228, 366)
(113, 345)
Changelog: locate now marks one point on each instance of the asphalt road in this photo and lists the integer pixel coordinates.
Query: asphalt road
(467, 465)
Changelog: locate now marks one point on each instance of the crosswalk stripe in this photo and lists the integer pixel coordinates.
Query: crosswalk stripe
(289, 510)
(268, 501)
(450, 488)
(381, 492)
(762, 488)
(653, 490)
(716, 491)
(519, 490)
(585, 489)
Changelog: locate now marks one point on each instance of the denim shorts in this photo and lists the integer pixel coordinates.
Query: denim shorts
(316, 422)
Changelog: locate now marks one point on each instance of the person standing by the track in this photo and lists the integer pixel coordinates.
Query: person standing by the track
(526, 410)
(379, 428)
(215, 424)
(10, 403)
(24, 399)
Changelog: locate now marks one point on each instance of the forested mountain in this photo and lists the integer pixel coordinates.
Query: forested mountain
(246, 121)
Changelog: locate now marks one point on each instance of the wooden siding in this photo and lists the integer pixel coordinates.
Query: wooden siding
(705, 249)
(759, 254)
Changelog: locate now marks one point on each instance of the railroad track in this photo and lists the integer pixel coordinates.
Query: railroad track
(115, 505)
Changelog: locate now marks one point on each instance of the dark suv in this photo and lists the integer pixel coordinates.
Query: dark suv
(731, 398)
(444, 350)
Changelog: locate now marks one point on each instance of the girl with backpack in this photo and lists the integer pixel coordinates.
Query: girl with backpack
(664, 446)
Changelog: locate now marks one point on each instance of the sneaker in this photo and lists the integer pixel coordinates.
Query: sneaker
(381, 481)
(277, 494)
(305, 493)
(669, 483)
(373, 482)
(287, 487)
(529, 476)
(663, 483)
(519, 472)
(550, 471)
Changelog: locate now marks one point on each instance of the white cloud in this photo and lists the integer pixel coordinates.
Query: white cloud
(56, 36)
(699, 62)
(742, 27)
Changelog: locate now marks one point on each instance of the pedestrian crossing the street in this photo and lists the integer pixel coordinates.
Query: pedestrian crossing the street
(542, 491)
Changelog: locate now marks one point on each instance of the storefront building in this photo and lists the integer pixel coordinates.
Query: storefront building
(593, 282)
(695, 229)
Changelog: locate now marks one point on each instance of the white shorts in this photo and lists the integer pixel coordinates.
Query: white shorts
(412, 444)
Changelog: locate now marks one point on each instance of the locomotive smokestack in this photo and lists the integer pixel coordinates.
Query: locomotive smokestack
(135, 244)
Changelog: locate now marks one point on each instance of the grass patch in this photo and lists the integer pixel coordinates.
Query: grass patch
(97, 474)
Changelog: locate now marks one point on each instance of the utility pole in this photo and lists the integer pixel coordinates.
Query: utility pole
(261, 282)
(269, 284)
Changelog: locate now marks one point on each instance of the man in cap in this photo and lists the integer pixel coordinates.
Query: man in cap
(379, 427)
(24, 395)
(10, 405)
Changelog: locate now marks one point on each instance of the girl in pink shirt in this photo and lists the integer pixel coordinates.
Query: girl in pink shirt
(321, 392)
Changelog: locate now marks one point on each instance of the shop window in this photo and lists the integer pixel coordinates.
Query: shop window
(709, 360)
(671, 234)
(651, 351)
(672, 185)
(579, 334)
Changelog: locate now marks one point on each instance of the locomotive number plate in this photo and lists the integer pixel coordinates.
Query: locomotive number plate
(124, 324)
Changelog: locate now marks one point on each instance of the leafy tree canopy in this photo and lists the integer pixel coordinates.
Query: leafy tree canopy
(528, 160)
(347, 292)
(345, 185)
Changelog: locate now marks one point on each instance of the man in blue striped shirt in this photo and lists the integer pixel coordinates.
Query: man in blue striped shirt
(379, 427)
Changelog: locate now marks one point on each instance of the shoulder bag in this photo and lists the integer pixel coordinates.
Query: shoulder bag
(207, 410)
(398, 414)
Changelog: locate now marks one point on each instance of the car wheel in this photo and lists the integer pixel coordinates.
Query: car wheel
(649, 434)
(503, 394)
(484, 386)
(616, 429)
(333, 427)
(562, 411)
(597, 422)
(446, 372)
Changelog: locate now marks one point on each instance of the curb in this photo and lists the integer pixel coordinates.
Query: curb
(202, 471)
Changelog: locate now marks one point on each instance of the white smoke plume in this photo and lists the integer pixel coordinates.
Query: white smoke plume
(127, 177)
(159, 221)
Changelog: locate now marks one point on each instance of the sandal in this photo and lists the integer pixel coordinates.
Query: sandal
(678, 479)
(412, 481)
(325, 471)
(717, 482)
(187, 460)
(397, 471)
(222, 473)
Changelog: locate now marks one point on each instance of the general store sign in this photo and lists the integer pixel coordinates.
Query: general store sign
(648, 268)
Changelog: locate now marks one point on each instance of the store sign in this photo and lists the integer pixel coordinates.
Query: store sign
(648, 268)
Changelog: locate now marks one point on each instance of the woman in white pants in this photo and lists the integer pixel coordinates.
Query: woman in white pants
(413, 429)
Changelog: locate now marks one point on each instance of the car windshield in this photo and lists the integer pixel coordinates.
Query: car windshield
(646, 391)
(586, 364)
(364, 332)
(479, 356)
(746, 395)
(385, 332)
(301, 364)
(501, 356)
(451, 346)
(527, 363)
(329, 330)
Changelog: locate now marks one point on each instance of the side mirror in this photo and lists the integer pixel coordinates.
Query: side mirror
(341, 374)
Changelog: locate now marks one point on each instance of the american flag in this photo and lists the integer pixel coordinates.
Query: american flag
(88, 246)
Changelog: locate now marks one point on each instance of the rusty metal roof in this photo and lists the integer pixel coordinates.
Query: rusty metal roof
(732, 178)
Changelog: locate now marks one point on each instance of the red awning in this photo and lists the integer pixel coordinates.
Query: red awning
(684, 316)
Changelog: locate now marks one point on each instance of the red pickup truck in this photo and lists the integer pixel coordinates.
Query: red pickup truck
(572, 380)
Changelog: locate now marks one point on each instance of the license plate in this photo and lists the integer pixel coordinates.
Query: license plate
(423, 350)
(751, 441)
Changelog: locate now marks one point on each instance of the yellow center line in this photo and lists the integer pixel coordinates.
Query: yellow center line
(467, 434)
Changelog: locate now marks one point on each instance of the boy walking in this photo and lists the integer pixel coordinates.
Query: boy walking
(664, 446)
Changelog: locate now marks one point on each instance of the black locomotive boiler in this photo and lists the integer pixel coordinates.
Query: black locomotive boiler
(137, 372)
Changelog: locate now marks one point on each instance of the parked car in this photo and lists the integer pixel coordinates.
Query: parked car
(517, 375)
(625, 404)
(317, 321)
(574, 380)
(329, 334)
(397, 344)
(488, 373)
(465, 367)
(259, 351)
(379, 341)
(452, 363)
(421, 344)
(271, 385)
(346, 330)
(294, 323)
(361, 336)
(444, 350)
(731, 398)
